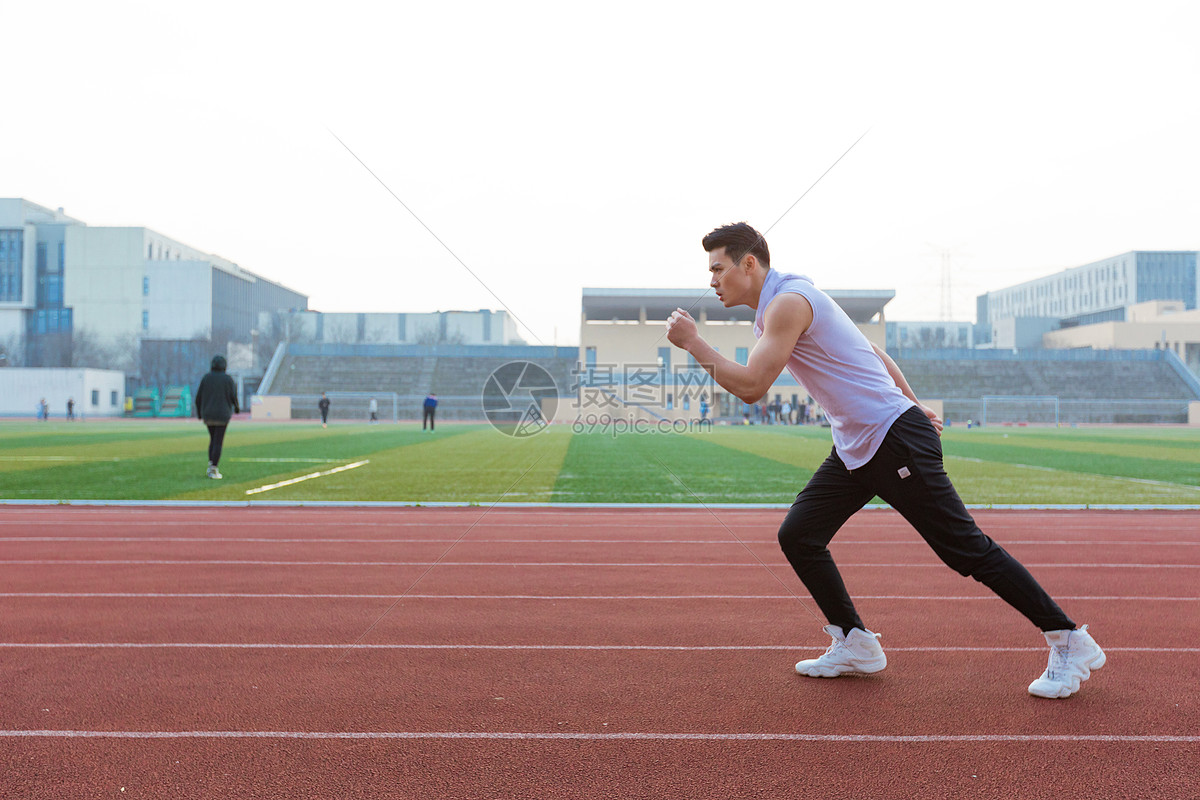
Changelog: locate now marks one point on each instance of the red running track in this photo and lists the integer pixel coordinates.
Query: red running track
(468, 653)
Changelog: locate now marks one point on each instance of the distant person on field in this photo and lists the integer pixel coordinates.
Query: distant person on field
(216, 403)
(43, 410)
(323, 405)
(373, 408)
(885, 443)
(71, 408)
(430, 409)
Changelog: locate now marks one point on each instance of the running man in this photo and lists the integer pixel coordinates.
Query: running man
(884, 443)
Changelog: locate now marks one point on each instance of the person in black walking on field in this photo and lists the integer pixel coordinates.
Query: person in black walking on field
(430, 409)
(885, 443)
(216, 403)
(323, 404)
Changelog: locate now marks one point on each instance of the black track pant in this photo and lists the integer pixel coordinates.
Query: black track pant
(428, 418)
(216, 437)
(907, 473)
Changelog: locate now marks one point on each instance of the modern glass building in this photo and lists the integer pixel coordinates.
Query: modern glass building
(1100, 291)
(72, 293)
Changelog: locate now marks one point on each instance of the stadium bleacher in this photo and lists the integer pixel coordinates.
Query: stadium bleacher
(457, 374)
(1090, 386)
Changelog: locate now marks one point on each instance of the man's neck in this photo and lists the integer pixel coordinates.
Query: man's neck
(760, 280)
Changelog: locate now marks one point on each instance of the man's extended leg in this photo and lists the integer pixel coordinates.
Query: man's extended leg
(830, 498)
(908, 474)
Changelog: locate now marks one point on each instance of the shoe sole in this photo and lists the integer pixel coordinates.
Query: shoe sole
(861, 668)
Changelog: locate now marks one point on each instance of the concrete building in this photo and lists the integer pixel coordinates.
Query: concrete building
(1093, 293)
(71, 293)
(1156, 325)
(482, 327)
(625, 356)
(930, 335)
(96, 392)
(1141, 300)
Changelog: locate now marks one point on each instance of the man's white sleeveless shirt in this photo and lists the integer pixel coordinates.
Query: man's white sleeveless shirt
(836, 364)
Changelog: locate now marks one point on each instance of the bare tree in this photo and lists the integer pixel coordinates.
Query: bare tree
(126, 352)
(12, 351)
(89, 350)
(432, 334)
(340, 333)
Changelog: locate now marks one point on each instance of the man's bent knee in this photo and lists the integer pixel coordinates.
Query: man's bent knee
(799, 543)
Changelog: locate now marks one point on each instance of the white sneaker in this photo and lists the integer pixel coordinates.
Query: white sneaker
(1073, 656)
(855, 653)
(214, 473)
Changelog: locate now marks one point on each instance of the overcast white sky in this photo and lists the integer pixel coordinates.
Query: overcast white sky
(554, 146)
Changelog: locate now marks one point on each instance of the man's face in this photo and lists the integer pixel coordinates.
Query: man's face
(730, 281)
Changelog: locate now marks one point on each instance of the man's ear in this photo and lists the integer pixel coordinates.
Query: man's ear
(749, 263)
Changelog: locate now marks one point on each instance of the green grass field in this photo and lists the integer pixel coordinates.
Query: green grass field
(165, 460)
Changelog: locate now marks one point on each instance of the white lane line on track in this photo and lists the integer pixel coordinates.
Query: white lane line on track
(772, 542)
(553, 597)
(631, 736)
(753, 564)
(61, 516)
(308, 477)
(532, 647)
(541, 506)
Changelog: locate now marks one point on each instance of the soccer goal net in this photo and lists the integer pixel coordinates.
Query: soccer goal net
(1019, 410)
(353, 406)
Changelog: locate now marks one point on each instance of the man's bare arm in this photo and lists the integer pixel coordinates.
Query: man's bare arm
(898, 376)
(785, 321)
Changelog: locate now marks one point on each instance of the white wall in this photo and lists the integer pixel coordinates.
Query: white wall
(22, 388)
(340, 328)
(103, 283)
(179, 303)
(381, 328)
(420, 325)
(12, 325)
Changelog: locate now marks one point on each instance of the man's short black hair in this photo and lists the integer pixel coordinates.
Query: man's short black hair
(738, 239)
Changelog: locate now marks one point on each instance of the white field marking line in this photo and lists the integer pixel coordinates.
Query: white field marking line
(308, 477)
(534, 647)
(840, 738)
(285, 460)
(234, 562)
(554, 597)
(59, 458)
(1143, 481)
(726, 542)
